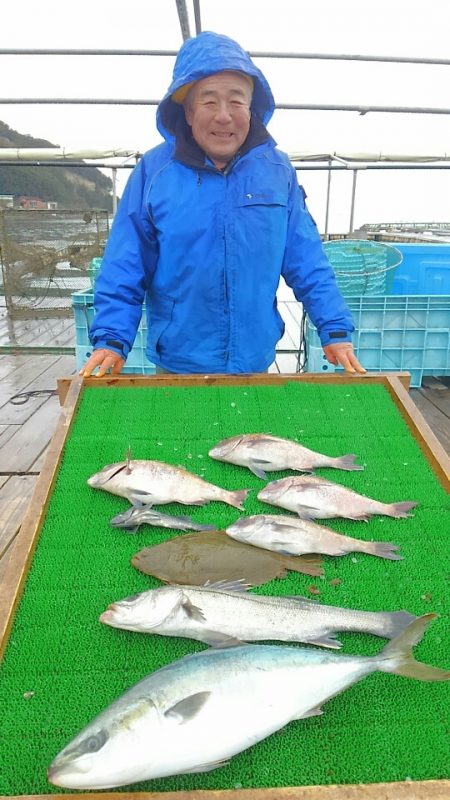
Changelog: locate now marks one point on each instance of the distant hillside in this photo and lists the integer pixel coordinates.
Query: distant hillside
(70, 187)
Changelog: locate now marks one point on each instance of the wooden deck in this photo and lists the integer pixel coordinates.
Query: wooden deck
(29, 405)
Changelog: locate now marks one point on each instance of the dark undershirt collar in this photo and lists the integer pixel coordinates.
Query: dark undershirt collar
(188, 151)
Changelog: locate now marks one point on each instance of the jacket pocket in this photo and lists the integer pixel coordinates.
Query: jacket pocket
(159, 319)
(263, 197)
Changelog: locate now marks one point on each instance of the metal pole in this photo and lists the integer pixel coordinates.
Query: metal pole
(352, 211)
(198, 23)
(27, 51)
(114, 180)
(184, 19)
(327, 211)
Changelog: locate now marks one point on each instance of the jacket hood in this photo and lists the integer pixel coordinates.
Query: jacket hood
(202, 56)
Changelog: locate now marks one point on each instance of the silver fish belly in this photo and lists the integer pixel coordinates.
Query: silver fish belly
(156, 483)
(312, 497)
(224, 612)
(263, 453)
(296, 536)
(195, 714)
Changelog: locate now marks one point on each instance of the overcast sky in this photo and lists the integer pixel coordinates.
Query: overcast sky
(377, 27)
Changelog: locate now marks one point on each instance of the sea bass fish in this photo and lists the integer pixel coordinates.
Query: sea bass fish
(295, 537)
(312, 497)
(156, 483)
(134, 517)
(263, 453)
(226, 612)
(196, 713)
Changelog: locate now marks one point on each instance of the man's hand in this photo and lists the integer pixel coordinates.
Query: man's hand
(342, 353)
(105, 360)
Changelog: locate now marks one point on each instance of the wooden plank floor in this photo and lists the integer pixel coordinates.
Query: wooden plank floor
(29, 406)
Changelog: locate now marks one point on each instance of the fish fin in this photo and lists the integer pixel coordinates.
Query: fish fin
(398, 510)
(347, 463)
(257, 470)
(237, 498)
(206, 767)
(299, 599)
(326, 641)
(216, 639)
(137, 503)
(229, 641)
(193, 612)
(397, 621)
(383, 550)
(128, 528)
(397, 656)
(308, 512)
(239, 585)
(138, 498)
(308, 565)
(128, 460)
(313, 712)
(187, 708)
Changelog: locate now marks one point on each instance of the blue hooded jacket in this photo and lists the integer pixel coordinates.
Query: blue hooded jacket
(205, 248)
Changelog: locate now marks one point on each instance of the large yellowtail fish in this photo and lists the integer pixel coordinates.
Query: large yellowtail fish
(196, 713)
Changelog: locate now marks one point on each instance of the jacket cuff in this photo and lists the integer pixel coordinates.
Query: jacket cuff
(112, 344)
(334, 337)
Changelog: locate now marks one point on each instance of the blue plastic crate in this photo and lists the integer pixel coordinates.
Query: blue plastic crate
(393, 334)
(424, 270)
(83, 310)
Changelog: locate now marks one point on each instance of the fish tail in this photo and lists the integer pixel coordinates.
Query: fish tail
(401, 509)
(397, 656)
(237, 498)
(347, 462)
(310, 564)
(383, 550)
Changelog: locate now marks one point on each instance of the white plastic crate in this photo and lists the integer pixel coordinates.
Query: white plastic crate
(395, 333)
(83, 310)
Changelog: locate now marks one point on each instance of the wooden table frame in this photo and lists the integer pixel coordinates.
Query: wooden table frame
(70, 392)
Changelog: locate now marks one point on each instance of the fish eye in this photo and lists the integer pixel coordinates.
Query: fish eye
(131, 597)
(94, 743)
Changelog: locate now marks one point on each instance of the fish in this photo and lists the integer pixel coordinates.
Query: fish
(312, 497)
(262, 453)
(226, 612)
(195, 558)
(157, 483)
(131, 520)
(195, 714)
(294, 537)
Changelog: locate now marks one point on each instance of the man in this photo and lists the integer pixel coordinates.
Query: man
(208, 222)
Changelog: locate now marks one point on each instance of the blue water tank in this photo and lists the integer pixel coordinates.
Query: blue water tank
(425, 269)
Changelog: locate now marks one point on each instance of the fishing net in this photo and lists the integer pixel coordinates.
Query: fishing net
(46, 255)
(363, 267)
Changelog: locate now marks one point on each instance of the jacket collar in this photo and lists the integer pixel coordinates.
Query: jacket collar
(188, 151)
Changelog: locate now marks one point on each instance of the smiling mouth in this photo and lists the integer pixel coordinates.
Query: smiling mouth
(221, 135)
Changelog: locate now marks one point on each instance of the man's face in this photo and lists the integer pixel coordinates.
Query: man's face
(218, 110)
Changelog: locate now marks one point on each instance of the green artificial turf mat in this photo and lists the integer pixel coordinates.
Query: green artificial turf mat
(62, 666)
